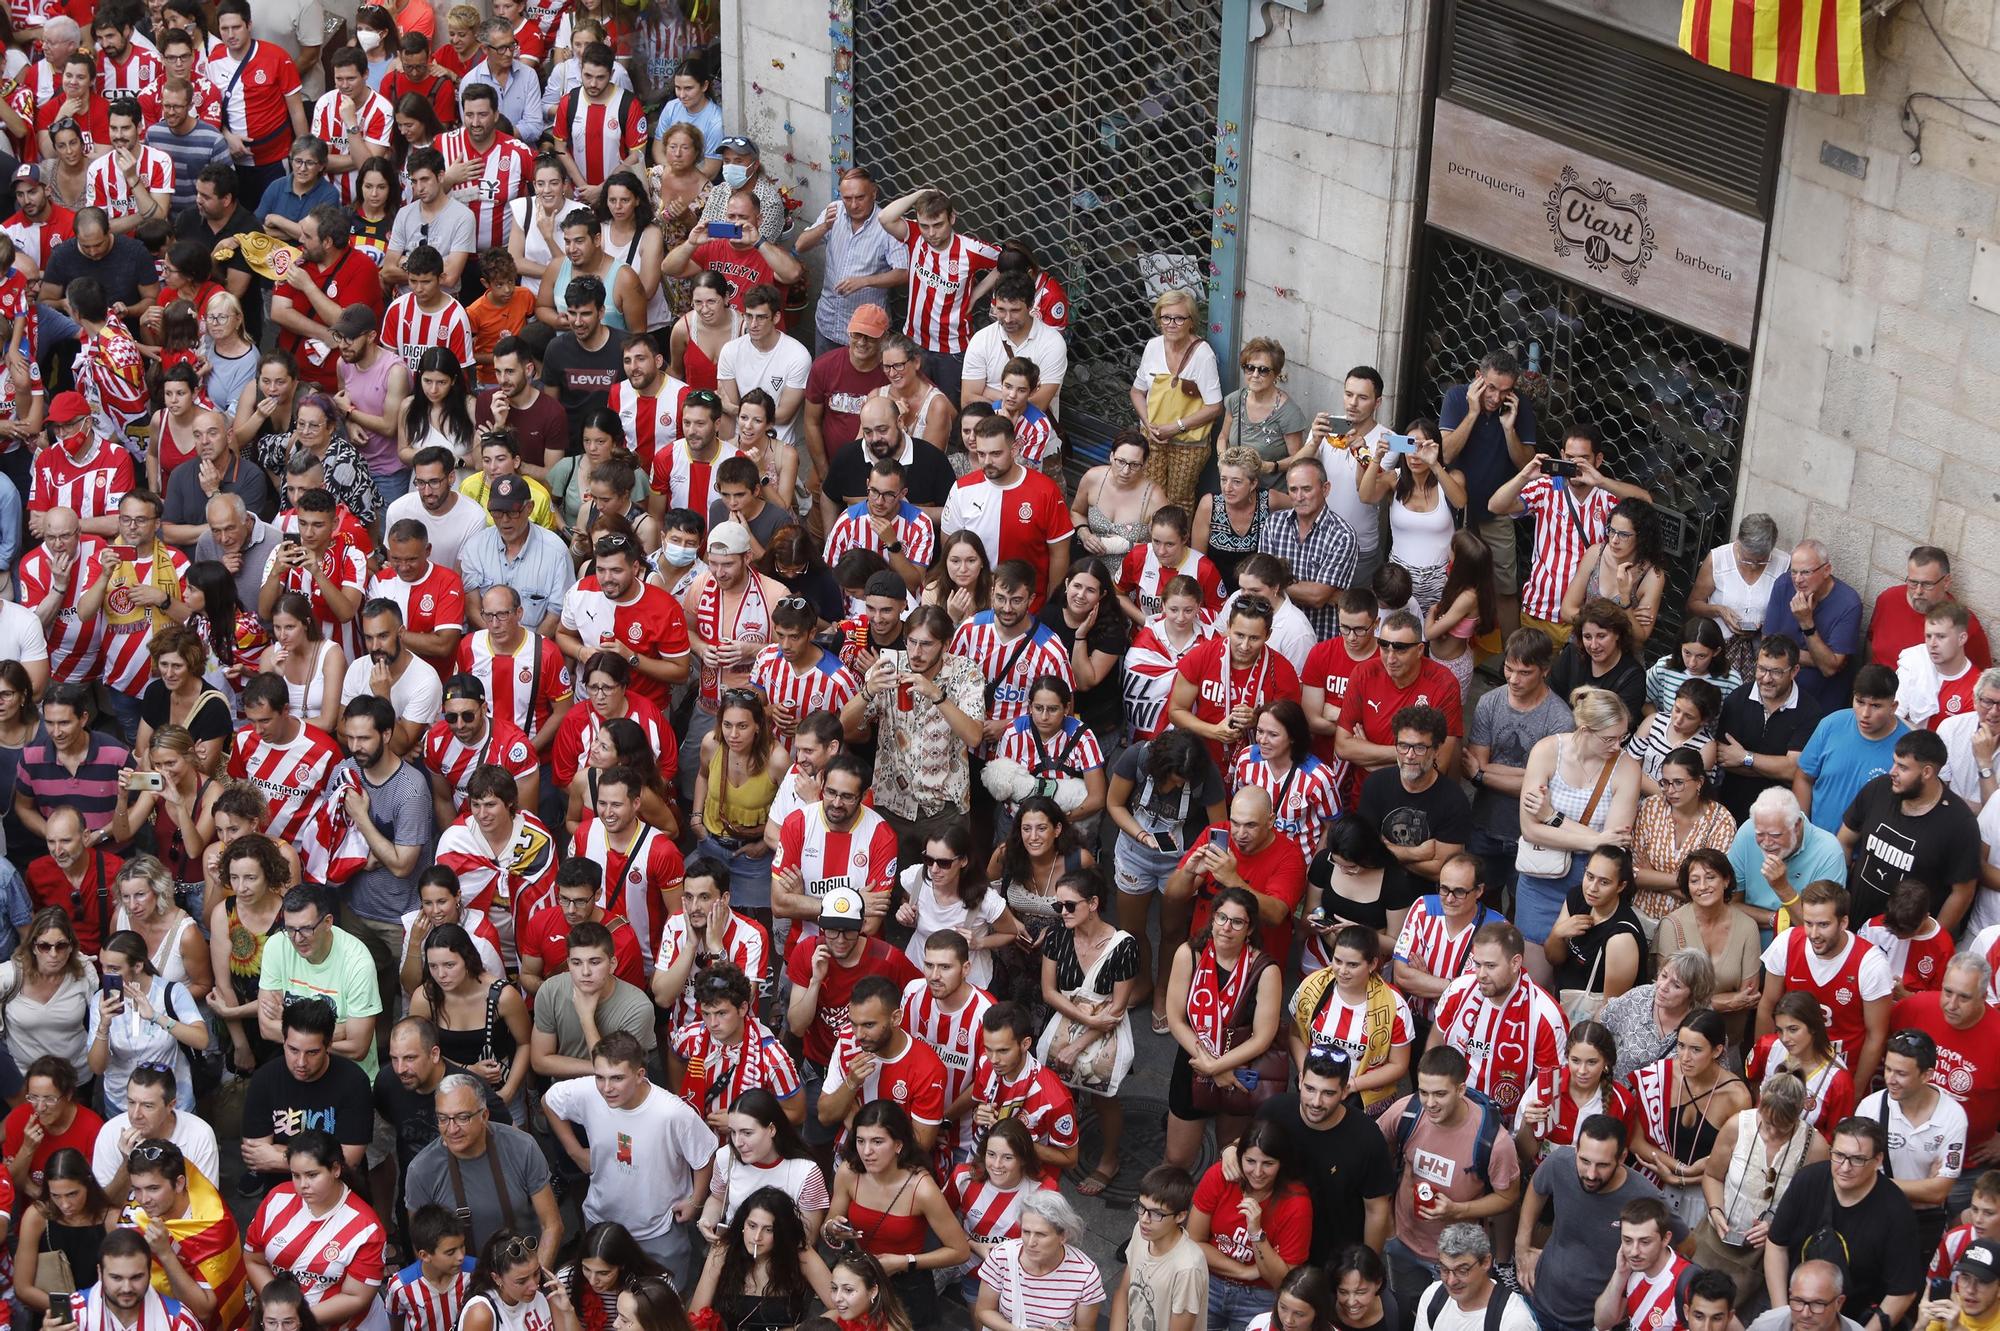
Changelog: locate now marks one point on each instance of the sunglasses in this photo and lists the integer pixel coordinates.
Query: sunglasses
(794, 603)
(941, 861)
(461, 718)
(1065, 907)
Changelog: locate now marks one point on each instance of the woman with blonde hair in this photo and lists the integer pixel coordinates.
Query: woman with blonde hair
(178, 810)
(228, 360)
(1261, 415)
(1177, 395)
(1228, 524)
(174, 945)
(1579, 791)
(677, 185)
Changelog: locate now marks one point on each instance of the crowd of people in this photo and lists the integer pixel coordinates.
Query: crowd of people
(581, 724)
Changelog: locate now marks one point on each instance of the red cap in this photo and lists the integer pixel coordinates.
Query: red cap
(68, 407)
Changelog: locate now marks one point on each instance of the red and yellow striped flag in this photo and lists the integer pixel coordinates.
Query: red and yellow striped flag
(1811, 45)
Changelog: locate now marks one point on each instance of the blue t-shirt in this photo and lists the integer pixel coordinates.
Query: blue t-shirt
(280, 198)
(1819, 856)
(1840, 760)
(708, 120)
(1485, 460)
(1837, 623)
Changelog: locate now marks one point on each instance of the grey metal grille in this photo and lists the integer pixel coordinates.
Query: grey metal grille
(1668, 400)
(1085, 127)
(1613, 94)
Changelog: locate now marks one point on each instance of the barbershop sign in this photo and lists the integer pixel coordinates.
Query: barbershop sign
(1595, 223)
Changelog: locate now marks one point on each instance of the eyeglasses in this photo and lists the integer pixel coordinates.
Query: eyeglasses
(1807, 572)
(1230, 922)
(1412, 746)
(873, 493)
(1621, 534)
(1128, 462)
(304, 930)
(1175, 319)
(1674, 782)
(459, 1120)
(150, 1153)
(1458, 893)
(1799, 1305)
(42, 1101)
(1921, 584)
(462, 718)
(1154, 1212)
(601, 686)
(741, 697)
(1359, 630)
(519, 1248)
(891, 366)
(1850, 1160)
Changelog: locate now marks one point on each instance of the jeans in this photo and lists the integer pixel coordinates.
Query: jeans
(749, 875)
(125, 710)
(1232, 1304)
(1547, 1322)
(1538, 900)
(1409, 1276)
(1497, 856)
(1138, 869)
(947, 371)
(392, 485)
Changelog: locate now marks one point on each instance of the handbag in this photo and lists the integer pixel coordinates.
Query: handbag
(1095, 1067)
(52, 1272)
(1547, 861)
(1584, 1004)
(1260, 1079)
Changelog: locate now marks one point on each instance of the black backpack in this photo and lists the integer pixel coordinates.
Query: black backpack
(1482, 1150)
(1496, 1305)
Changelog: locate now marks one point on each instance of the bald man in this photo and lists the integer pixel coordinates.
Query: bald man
(59, 583)
(218, 467)
(240, 540)
(1245, 852)
(927, 475)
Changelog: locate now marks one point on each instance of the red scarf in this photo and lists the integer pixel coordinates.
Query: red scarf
(1250, 695)
(1210, 1005)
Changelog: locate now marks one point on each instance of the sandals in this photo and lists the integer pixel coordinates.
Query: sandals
(1097, 1182)
(1160, 1023)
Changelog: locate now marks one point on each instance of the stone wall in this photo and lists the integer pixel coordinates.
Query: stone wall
(1875, 409)
(776, 60)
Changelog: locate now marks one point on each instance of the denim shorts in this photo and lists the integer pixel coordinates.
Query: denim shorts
(1138, 869)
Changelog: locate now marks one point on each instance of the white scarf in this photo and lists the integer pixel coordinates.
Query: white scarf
(91, 1314)
(1917, 684)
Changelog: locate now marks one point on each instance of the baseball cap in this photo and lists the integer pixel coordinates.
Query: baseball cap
(354, 321)
(869, 321)
(28, 173)
(885, 583)
(1980, 1260)
(67, 408)
(729, 538)
(510, 494)
(736, 143)
(841, 909)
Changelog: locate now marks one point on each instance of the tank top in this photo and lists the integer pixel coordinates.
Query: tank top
(914, 421)
(733, 808)
(1226, 549)
(658, 315)
(698, 367)
(369, 391)
(246, 954)
(533, 247)
(1101, 525)
(883, 1234)
(1420, 540)
(1572, 800)
(80, 1243)
(493, 1040)
(184, 867)
(309, 697)
(516, 1317)
(1749, 1187)
(614, 318)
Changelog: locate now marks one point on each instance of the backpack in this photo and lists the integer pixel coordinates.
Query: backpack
(1496, 1305)
(1482, 1150)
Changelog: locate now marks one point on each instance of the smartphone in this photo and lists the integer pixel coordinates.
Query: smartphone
(1219, 838)
(1168, 842)
(290, 538)
(1318, 917)
(114, 984)
(725, 231)
(153, 781)
(1559, 467)
(1400, 443)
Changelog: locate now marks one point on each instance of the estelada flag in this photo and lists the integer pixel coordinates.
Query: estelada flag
(211, 1247)
(1811, 45)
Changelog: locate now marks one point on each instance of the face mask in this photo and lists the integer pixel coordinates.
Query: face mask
(735, 176)
(369, 39)
(680, 556)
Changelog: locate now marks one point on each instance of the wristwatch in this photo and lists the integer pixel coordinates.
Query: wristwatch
(1558, 820)
(894, 548)
(1985, 774)
(1749, 760)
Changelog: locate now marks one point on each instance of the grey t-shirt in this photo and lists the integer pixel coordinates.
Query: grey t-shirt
(1584, 1244)
(450, 232)
(1509, 734)
(623, 1009)
(522, 1166)
(401, 809)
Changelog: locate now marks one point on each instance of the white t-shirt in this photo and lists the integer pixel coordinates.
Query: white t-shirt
(1453, 1318)
(783, 366)
(734, 1181)
(21, 635)
(1985, 910)
(987, 354)
(1343, 487)
(1200, 368)
(1935, 1150)
(642, 1160)
(418, 696)
(195, 1138)
(937, 911)
(1873, 974)
(448, 532)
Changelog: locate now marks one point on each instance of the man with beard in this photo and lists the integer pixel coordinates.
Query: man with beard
(1506, 1026)
(392, 672)
(824, 970)
(484, 169)
(584, 362)
(217, 215)
(123, 1297)
(614, 610)
(1848, 976)
(727, 622)
(133, 183)
(406, 1090)
(1017, 513)
(946, 1010)
(472, 1156)
(880, 1060)
(1012, 649)
(708, 931)
(888, 523)
(795, 673)
(388, 803)
(449, 518)
(544, 940)
(726, 1051)
(1424, 816)
(468, 736)
(516, 402)
(926, 473)
(1220, 683)
(1588, 1186)
(841, 381)
(649, 402)
(642, 867)
(1247, 853)
(683, 473)
(516, 553)
(221, 472)
(310, 300)
(1906, 824)
(836, 843)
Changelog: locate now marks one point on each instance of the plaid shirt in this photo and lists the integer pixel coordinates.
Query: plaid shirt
(1326, 554)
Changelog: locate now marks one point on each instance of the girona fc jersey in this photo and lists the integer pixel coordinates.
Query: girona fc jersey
(953, 1036)
(1037, 1097)
(289, 776)
(599, 135)
(434, 602)
(651, 624)
(255, 90)
(128, 627)
(1506, 1040)
(640, 876)
(825, 685)
(1017, 521)
(138, 73)
(1650, 1303)
(678, 475)
(1144, 578)
(745, 945)
(505, 170)
(1000, 660)
(455, 761)
(409, 330)
(415, 1304)
(941, 286)
(320, 1252)
(914, 1079)
(375, 123)
(74, 642)
(654, 420)
(90, 485)
(106, 187)
(854, 531)
(517, 682)
(863, 857)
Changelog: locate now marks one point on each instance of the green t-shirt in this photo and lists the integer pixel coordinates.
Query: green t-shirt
(347, 977)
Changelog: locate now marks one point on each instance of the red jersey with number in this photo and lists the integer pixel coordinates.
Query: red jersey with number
(1037, 1097)
(74, 642)
(375, 122)
(255, 93)
(518, 686)
(90, 485)
(1505, 1040)
(652, 421)
(1843, 985)
(1221, 687)
(94, 123)
(941, 287)
(599, 135)
(741, 266)
(434, 602)
(641, 871)
(289, 776)
(451, 758)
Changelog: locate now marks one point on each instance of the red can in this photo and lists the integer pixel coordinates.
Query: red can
(1425, 1196)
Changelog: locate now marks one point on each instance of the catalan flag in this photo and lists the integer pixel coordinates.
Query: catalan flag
(211, 1247)
(1811, 45)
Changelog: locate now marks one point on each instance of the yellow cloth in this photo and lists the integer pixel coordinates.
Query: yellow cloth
(267, 256)
(541, 510)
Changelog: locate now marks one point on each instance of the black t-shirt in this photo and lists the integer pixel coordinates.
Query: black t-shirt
(1627, 679)
(1100, 707)
(927, 476)
(123, 270)
(1783, 731)
(816, 583)
(1940, 847)
(581, 379)
(1874, 1241)
(1440, 812)
(1577, 969)
(1164, 807)
(1341, 1166)
(415, 1115)
(280, 1106)
(210, 721)
(1399, 890)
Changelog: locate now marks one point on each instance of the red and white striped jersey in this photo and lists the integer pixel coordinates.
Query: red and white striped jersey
(599, 135)
(717, 1076)
(74, 642)
(681, 477)
(455, 761)
(1037, 1097)
(206, 103)
(914, 1079)
(941, 286)
(978, 640)
(128, 628)
(38, 240)
(1071, 751)
(653, 420)
(863, 857)
(987, 1212)
(289, 776)
(375, 122)
(1144, 578)
(139, 73)
(91, 485)
(345, 566)
(510, 886)
(1034, 436)
(1650, 1303)
(953, 1036)
(320, 1252)
(506, 169)
(408, 330)
(639, 876)
(853, 531)
(1917, 963)
(745, 945)
(1506, 1040)
(1560, 539)
(111, 374)
(414, 1304)
(1950, 1248)
(1429, 940)
(825, 685)
(1551, 1087)
(511, 677)
(1305, 799)
(434, 602)
(106, 187)
(546, 17)
(1344, 1025)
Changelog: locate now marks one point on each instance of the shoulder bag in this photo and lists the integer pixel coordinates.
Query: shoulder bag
(1547, 861)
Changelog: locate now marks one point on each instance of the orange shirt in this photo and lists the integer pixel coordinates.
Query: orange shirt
(492, 322)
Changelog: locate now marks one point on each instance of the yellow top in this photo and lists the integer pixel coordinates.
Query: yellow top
(541, 510)
(736, 810)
